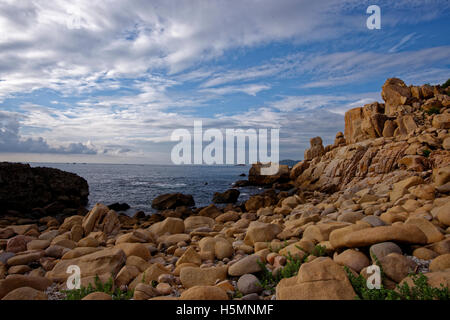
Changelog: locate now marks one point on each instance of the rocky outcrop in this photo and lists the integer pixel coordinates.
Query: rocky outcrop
(229, 196)
(316, 149)
(172, 201)
(23, 188)
(255, 177)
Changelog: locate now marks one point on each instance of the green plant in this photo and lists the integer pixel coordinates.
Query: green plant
(420, 291)
(446, 84)
(268, 281)
(108, 288)
(433, 110)
(426, 153)
(319, 251)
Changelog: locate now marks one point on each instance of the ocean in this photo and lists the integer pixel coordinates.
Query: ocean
(138, 185)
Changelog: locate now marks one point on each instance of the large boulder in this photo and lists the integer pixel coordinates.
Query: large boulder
(101, 218)
(320, 279)
(403, 233)
(107, 261)
(316, 149)
(172, 201)
(23, 188)
(18, 281)
(229, 196)
(257, 179)
(395, 93)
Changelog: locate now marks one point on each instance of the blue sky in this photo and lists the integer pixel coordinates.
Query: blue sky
(109, 81)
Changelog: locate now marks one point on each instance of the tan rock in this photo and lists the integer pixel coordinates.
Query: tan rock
(101, 218)
(249, 264)
(261, 232)
(17, 281)
(135, 249)
(441, 121)
(125, 275)
(194, 222)
(443, 214)
(169, 225)
(25, 293)
(150, 274)
(97, 296)
(401, 188)
(353, 259)
(190, 256)
(395, 93)
(316, 149)
(397, 266)
(430, 231)
(441, 176)
(204, 293)
(100, 262)
(403, 233)
(440, 263)
(195, 276)
(424, 254)
(320, 279)
(78, 252)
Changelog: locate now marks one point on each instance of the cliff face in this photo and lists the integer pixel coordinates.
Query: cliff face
(383, 142)
(23, 189)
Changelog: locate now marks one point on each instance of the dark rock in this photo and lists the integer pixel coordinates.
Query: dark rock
(242, 175)
(257, 179)
(229, 196)
(119, 206)
(23, 188)
(139, 215)
(241, 183)
(172, 201)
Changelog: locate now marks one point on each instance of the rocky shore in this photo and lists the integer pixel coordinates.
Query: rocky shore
(378, 195)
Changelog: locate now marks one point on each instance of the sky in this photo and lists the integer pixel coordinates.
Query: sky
(109, 81)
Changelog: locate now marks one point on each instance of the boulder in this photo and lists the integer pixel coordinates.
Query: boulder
(168, 225)
(256, 178)
(380, 250)
(248, 283)
(401, 188)
(101, 218)
(403, 233)
(97, 296)
(440, 263)
(395, 93)
(25, 293)
(320, 279)
(353, 259)
(261, 232)
(229, 196)
(25, 188)
(172, 201)
(204, 293)
(135, 249)
(441, 121)
(193, 222)
(13, 282)
(396, 266)
(441, 176)
(195, 276)
(316, 149)
(249, 264)
(107, 261)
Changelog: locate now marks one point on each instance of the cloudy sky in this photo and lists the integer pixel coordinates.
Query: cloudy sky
(109, 81)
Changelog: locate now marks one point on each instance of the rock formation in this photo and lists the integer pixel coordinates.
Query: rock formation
(50, 191)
